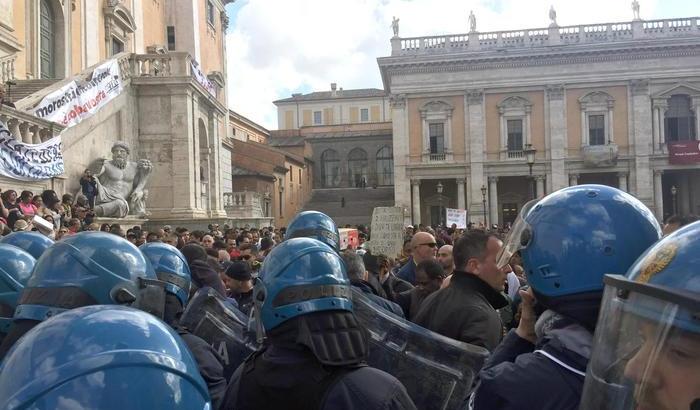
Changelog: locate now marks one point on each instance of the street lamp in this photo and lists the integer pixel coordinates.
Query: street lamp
(483, 200)
(439, 191)
(530, 158)
(674, 191)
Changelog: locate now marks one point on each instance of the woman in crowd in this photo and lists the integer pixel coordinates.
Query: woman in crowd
(10, 207)
(26, 205)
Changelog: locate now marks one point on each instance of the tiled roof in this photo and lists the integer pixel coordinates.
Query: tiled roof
(328, 95)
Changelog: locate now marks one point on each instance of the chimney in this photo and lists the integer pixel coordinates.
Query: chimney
(333, 88)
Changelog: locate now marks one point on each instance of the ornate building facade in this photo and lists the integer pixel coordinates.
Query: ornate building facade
(487, 121)
(173, 105)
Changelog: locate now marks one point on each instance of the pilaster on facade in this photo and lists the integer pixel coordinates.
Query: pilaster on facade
(556, 134)
(539, 185)
(622, 181)
(415, 189)
(658, 195)
(573, 179)
(460, 193)
(493, 200)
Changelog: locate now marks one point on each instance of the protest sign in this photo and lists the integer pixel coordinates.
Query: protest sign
(82, 97)
(457, 216)
(202, 79)
(387, 231)
(29, 162)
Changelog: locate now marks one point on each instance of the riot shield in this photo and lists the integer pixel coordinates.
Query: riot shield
(437, 371)
(211, 317)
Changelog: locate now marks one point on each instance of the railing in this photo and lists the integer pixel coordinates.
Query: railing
(437, 157)
(245, 204)
(26, 127)
(540, 37)
(7, 68)
(516, 154)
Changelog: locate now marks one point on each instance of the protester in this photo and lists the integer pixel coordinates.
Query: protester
(239, 280)
(423, 247)
(466, 310)
(26, 206)
(358, 276)
(429, 277)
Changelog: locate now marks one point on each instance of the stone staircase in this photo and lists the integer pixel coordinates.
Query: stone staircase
(350, 205)
(25, 88)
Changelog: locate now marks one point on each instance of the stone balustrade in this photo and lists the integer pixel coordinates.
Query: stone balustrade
(542, 37)
(26, 127)
(7, 68)
(160, 65)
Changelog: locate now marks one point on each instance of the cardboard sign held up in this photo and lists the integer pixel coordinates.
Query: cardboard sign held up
(387, 231)
(457, 216)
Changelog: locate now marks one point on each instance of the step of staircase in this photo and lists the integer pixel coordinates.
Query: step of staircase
(24, 88)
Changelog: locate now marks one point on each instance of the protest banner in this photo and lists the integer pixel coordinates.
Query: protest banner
(202, 79)
(82, 97)
(457, 216)
(29, 162)
(349, 238)
(387, 231)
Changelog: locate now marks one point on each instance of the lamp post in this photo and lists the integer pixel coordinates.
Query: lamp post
(530, 158)
(483, 200)
(674, 192)
(439, 191)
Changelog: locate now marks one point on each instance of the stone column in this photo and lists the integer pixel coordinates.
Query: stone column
(476, 129)
(656, 134)
(640, 137)
(573, 179)
(493, 200)
(622, 181)
(539, 184)
(399, 123)
(683, 196)
(558, 139)
(415, 185)
(658, 195)
(460, 194)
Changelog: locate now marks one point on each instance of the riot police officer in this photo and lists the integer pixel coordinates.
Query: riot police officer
(88, 268)
(171, 268)
(33, 242)
(314, 224)
(316, 350)
(15, 268)
(568, 241)
(101, 357)
(646, 353)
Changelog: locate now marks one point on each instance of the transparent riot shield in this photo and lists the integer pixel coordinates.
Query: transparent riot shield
(437, 371)
(211, 317)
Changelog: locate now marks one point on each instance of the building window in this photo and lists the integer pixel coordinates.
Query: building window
(597, 109)
(117, 46)
(385, 166)
(515, 136)
(318, 117)
(300, 175)
(210, 12)
(47, 40)
(679, 123)
(357, 167)
(291, 174)
(171, 38)
(596, 129)
(437, 137)
(364, 114)
(330, 168)
(281, 203)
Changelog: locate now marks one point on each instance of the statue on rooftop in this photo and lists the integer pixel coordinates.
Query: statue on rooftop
(120, 184)
(553, 16)
(395, 26)
(472, 22)
(635, 10)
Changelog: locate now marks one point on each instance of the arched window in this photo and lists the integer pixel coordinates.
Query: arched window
(47, 41)
(680, 120)
(385, 166)
(330, 168)
(357, 167)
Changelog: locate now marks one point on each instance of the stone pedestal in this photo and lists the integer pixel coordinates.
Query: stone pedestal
(126, 223)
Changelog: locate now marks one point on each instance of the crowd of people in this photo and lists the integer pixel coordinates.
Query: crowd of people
(531, 295)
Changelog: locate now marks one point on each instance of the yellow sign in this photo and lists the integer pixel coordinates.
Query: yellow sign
(657, 261)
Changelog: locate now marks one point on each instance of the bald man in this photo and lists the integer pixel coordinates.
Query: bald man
(423, 248)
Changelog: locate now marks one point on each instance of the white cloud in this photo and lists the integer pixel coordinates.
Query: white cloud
(276, 47)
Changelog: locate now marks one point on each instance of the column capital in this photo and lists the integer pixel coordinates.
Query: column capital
(639, 87)
(460, 181)
(539, 177)
(573, 175)
(555, 92)
(493, 180)
(622, 174)
(397, 100)
(658, 172)
(415, 182)
(475, 96)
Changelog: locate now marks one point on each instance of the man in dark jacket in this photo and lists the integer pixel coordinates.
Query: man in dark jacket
(424, 248)
(379, 269)
(466, 310)
(429, 277)
(358, 278)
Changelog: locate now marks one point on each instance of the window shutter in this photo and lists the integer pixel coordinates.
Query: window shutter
(288, 120)
(307, 118)
(328, 116)
(374, 113)
(354, 115)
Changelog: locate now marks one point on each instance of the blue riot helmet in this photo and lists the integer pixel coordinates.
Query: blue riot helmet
(646, 351)
(571, 238)
(15, 268)
(171, 267)
(102, 357)
(314, 224)
(303, 289)
(33, 242)
(90, 268)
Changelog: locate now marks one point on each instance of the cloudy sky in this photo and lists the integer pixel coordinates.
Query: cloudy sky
(279, 47)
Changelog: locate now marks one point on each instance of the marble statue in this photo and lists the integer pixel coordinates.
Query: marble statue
(472, 22)
(395, 26)
(635, 10)
(120, 184)
(552, 16)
